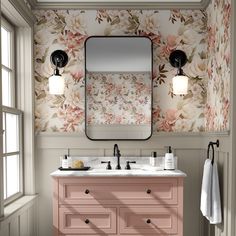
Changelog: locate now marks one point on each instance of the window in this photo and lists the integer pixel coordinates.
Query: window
(12, 118)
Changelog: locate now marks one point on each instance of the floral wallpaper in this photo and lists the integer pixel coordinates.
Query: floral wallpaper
(169, 30)
(218, 69)
(118, 98)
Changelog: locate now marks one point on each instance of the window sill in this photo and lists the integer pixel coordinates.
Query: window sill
(16, 206)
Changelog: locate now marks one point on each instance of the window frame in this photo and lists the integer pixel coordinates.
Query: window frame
(12, 68)
(13, 110)
(19, 113)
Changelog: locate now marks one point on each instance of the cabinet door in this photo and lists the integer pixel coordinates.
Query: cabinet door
(87, 220)
(149, 220)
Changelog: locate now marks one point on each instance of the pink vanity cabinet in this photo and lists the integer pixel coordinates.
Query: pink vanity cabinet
(123, 206)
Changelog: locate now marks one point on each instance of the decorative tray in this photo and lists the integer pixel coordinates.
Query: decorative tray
(84, 168)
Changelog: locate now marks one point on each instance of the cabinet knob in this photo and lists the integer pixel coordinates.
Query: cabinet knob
(86, 221)
(86, 191)
(149, 191)
(148, 221)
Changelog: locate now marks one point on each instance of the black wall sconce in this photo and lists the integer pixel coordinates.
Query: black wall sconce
(56, 82)
(178, 59)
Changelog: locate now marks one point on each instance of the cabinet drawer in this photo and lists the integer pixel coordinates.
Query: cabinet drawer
(149, 220)
(86, 220)
(73, 191)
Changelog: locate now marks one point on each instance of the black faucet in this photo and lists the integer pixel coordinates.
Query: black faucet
(116, 153)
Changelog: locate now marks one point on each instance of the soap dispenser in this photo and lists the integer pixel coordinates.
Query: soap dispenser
(169, 160)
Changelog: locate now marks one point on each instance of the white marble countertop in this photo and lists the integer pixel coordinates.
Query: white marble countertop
(119, 173)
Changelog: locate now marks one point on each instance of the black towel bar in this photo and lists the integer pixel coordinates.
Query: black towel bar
(211, 145)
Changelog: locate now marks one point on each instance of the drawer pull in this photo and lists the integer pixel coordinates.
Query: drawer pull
(148, 221)
(149, 191)
(86, 221)
(86, 191)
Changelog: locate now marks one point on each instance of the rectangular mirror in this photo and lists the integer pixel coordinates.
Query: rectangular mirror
(118, 88)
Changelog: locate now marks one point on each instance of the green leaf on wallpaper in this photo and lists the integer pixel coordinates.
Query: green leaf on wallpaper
(42, 21)
(54, 41)
(188, 96)
(135, 18)
(203, 41)
(54, 115)
(54, 129)
(189, 21)
(108, 19)
(116, 20)
(41, 95)
(201, 115)
(190, 58)
(39, 60)
(38, 78)
(202, 55)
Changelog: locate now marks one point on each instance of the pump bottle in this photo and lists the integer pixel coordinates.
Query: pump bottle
(169, 160)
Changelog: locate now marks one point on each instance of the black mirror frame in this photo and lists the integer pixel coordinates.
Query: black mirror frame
(118, 36)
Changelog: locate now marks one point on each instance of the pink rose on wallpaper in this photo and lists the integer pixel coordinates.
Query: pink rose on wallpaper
(227, 55)
(156, 114)
(210, 116)
(109, 118)
(118, 119)
(139, 118)
(226, 18)
(211, 37)
(72, 41)
(210, 70)
(225, 112)
(171, 44)
(77, 76)
(109, 88)
(156, 38)
(168, 120)
(72, 117)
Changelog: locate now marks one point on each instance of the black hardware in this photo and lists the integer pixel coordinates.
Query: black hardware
(149, 191)
(148, 221)
(128, 164)
(116, 152)
(108, 164)
(86, 191)
(59, 58)
(86, 221)
(178, 58)
(211, 145)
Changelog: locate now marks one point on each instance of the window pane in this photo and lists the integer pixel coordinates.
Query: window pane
(4, 134)
(12, 175)
(12, 132)
(4, 178)
(5, 47)
(7, 96)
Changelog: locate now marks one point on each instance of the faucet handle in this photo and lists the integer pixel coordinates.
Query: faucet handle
(108, 164)
(128, 164)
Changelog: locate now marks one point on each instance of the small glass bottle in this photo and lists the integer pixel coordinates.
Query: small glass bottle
(153, 159)
(65, 162)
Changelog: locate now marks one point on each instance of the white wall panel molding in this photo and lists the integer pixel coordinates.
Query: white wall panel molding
(77, 141)
(120, 4)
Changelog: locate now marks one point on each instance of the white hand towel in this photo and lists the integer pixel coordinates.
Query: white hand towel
(215, 217)
(206, 189)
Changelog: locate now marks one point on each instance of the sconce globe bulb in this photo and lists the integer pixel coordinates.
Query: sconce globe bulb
(180, 84)
(56, 84)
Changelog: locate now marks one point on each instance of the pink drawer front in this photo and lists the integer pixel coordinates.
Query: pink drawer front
(149, 220)
(75, 191)
(87, 220)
